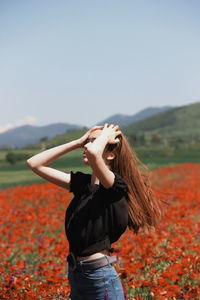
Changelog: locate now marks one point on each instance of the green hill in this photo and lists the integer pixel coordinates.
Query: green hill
(59, 139)
(179, 122)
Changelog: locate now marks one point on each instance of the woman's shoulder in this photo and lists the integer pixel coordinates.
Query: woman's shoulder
(119, 180)
(118, 189)
(119, 183)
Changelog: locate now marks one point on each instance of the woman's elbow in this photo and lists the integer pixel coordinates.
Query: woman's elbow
(30, 164)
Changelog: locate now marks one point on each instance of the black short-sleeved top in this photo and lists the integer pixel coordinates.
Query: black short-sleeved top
(97, 216)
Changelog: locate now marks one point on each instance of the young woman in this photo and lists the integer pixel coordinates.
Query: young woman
(115, 196)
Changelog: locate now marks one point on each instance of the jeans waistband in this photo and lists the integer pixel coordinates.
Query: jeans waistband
(89, 264)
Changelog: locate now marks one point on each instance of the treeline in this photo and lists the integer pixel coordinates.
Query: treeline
(138, 139)
(13, 157)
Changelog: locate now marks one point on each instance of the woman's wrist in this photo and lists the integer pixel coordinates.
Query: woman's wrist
(79, 143)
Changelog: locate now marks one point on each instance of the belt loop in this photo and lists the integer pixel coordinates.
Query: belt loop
(82, 266)
(107, 258)
(72, 262)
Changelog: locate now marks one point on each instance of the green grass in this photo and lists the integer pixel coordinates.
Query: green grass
(164, 156)
(21, 174)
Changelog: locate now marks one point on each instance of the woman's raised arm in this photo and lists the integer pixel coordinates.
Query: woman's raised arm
(39, 162)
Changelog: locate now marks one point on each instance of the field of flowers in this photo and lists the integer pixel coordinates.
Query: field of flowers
(162, 265)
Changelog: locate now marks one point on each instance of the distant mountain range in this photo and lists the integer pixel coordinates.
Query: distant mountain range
(28, 134)
(125, 120)
(183, 121)
(164, 120)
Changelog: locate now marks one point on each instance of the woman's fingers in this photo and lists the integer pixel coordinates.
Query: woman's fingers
(111, 125)
(118, 133)
(96, 127)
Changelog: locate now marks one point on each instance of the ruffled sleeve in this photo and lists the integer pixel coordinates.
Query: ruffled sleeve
(78, 182)
(118, 189)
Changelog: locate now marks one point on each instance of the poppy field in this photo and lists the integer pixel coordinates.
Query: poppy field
(164, 264)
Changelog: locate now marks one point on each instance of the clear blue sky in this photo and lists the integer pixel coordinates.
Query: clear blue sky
(83, 61)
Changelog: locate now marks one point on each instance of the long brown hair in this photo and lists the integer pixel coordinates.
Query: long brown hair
(144, 208)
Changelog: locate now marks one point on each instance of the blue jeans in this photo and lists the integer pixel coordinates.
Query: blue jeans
(98, 284)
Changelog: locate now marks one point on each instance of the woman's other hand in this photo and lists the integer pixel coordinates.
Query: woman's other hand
(82, 140)
(111, 132)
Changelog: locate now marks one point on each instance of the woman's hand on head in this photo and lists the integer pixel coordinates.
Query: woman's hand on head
(82, 140)
(111, 132)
